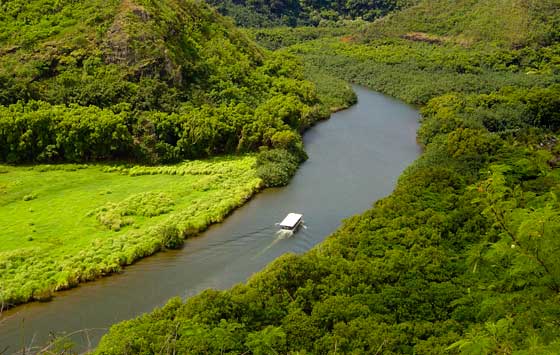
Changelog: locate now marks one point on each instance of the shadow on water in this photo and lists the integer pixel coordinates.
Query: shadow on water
(354, 159)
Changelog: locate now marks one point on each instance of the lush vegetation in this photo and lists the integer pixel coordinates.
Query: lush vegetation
(259, 13)
(402, 53)
(117, 215)
(279, 37)
(405, 69)
(508, 23)
(462, 257)
(128, 81)
(91, 80)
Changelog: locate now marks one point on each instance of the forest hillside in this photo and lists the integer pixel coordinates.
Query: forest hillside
(505, 23)
(141, 80)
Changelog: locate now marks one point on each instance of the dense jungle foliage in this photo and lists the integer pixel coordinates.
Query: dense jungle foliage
(260, 13)
(149, 81)
(462, 258)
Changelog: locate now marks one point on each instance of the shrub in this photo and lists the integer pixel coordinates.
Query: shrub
(29, 197)
(276, 166)
(171, 237)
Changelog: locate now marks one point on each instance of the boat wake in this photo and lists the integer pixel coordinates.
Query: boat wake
(282, 234)
(278, 236)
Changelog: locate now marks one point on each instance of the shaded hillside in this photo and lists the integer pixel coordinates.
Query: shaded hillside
(150, 80)
(258, 13)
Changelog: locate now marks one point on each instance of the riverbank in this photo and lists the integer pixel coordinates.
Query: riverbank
(68, 224)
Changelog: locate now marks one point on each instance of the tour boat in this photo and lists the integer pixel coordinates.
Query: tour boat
(292, 221)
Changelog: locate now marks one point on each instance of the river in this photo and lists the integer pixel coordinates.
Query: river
(355, 158)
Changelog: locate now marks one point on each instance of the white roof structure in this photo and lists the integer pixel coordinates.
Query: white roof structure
(291, 220)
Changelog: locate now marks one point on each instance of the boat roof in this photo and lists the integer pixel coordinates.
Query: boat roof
(291, 220)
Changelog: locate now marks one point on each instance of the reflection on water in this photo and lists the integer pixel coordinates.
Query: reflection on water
(354, 159)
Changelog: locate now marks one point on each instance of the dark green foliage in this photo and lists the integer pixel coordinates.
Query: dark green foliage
(258, 13)
(509, 109)
(279, 37)
(171, 237)
(276, 166)
(38, 131)
(543, 107)
(406, 69)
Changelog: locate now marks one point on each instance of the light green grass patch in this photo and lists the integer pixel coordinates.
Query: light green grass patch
(64, 224)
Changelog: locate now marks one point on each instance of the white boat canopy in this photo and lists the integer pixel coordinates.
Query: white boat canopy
(291, 220)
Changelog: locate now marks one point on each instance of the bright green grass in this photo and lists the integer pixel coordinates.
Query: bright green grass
(65, 224)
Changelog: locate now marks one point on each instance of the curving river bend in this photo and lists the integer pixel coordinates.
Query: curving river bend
(355, 158)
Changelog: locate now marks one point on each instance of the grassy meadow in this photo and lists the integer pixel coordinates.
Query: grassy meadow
(65, 224)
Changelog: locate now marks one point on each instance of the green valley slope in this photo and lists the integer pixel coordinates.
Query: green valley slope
(509, 23)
